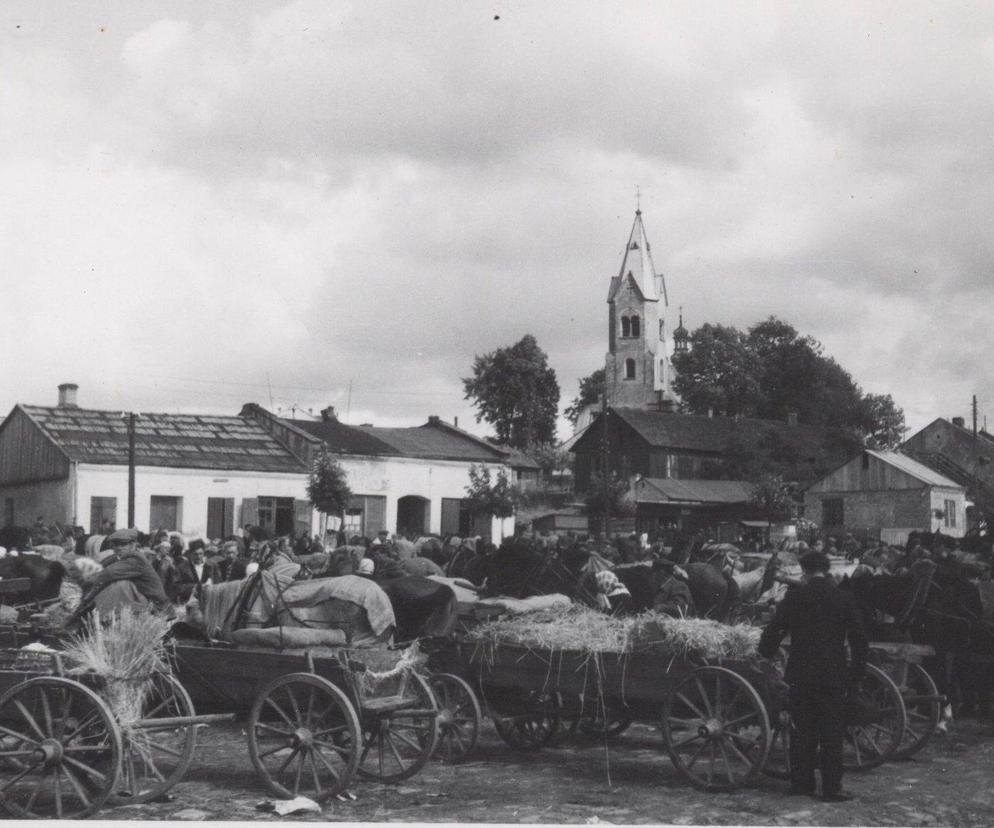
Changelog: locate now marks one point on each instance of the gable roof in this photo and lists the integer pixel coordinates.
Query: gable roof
(193, 441)
(694, 432)
(902, 462)
(344, 439)
(669, 490)
(615, 288)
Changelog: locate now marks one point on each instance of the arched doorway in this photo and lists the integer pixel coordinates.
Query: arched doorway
(413, 515)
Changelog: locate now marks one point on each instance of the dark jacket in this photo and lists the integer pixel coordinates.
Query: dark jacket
(820, 618)
(130, 567)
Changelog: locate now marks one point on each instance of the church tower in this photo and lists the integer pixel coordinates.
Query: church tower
(637, 369)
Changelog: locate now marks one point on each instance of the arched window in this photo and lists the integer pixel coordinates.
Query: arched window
(626, 326)
(629, 369)
(636, 326)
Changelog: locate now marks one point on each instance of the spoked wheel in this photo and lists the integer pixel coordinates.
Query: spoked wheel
(398, 742)
(61, 749)
(777, 762)
(155, 759)
(459, 717)
(533, 728)
(303, 737)
(716, 729)
(923, 707)
(875, 722)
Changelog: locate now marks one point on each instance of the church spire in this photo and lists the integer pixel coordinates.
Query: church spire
(638, 261)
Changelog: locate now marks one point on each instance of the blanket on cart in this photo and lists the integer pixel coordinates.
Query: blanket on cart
(422, 606)
(309, 603)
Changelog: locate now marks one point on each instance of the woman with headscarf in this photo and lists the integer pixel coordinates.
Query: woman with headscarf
(613, 596)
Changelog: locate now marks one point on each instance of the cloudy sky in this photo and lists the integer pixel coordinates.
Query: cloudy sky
(205, 204)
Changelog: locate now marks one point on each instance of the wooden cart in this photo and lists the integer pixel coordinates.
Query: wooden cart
(313, 721)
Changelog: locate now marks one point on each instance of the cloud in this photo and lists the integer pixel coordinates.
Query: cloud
(206, 206)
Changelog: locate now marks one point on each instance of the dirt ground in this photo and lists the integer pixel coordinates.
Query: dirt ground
(950, 783)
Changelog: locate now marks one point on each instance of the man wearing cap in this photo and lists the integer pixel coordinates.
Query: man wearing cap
(127, 578)
(819, 618)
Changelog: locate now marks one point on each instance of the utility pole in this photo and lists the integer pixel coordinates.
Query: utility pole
(606, 448)
(131, 467)
(974, 416)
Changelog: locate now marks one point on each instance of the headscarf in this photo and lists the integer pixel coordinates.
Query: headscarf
(608, 586)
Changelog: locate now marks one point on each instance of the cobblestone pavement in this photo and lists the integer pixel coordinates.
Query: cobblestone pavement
(950, 783)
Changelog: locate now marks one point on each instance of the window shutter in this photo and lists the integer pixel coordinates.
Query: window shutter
(302, 516)
(250, 511)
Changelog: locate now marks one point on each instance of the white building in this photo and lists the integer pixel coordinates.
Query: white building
(194, 473)
(408, 480)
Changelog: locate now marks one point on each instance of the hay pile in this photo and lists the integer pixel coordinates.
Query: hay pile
(586, 630)
(125, 649)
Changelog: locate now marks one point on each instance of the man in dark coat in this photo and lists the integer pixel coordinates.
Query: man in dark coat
(126, 564)
(819, 618)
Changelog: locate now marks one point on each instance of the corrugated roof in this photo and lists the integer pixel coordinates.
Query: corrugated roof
(910, 466)
(668, 490)
(174, 440)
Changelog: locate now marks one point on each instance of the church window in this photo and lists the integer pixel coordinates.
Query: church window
(630, 369)
(626, 326)
(636, 326)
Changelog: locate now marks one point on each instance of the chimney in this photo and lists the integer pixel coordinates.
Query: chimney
(957, 421)
(328, 415)
(434, 419)
(67, 395)
(792, 418)
(455, 422)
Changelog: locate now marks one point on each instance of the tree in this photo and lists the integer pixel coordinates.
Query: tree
(488, 496)
(774, 497)
(610, 498)
(515, 390)
(591, 390)
(883, 422)
(720, 373)
(550, 458)
(327, 485)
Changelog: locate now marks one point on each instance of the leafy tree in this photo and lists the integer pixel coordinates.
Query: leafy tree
(515, 390)
(487, 495)
(550, 458)
(720, 373)
(591, 390)
(774, 497)
(609, 499)
(883, 422)
(327, 485)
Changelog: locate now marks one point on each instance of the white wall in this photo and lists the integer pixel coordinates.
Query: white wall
(193, 485)
(395, 477)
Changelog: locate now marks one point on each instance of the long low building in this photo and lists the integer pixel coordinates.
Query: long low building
(213, 474)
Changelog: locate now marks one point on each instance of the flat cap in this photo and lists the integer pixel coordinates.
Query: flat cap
(124, 536)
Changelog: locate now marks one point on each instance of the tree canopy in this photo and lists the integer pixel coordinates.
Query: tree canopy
(327, 485)
(488, 496)
(591, 390)
(771, 372)
(515, 390)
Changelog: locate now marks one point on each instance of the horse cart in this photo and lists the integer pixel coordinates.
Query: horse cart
(314, 719)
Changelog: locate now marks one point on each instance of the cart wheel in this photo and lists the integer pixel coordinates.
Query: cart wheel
(534, 728)
(876, 722)
(303, 737)
(923, 707)
(155, 760)
(459, 717)
(62, 748)
(398, 743)
(777, 762)
(716, 729)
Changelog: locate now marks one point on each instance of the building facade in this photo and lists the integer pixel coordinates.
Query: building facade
(888, 493)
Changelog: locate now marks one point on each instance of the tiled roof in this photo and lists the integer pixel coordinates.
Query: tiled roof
(174, 440)
(713, 434)
(668, 490)
(518, 459)
(913, 467)
(432, 442)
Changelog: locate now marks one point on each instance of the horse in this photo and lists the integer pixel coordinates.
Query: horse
(45, 575)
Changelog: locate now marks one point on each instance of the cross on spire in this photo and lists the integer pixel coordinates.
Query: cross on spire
(638, 199)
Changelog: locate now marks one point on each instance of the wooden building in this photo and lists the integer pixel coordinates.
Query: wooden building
(889, 493)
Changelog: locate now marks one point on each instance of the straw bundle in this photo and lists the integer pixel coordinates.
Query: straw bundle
(586, 630)
(125, 649)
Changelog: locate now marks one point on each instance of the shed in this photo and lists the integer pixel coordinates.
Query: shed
(887, 492)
